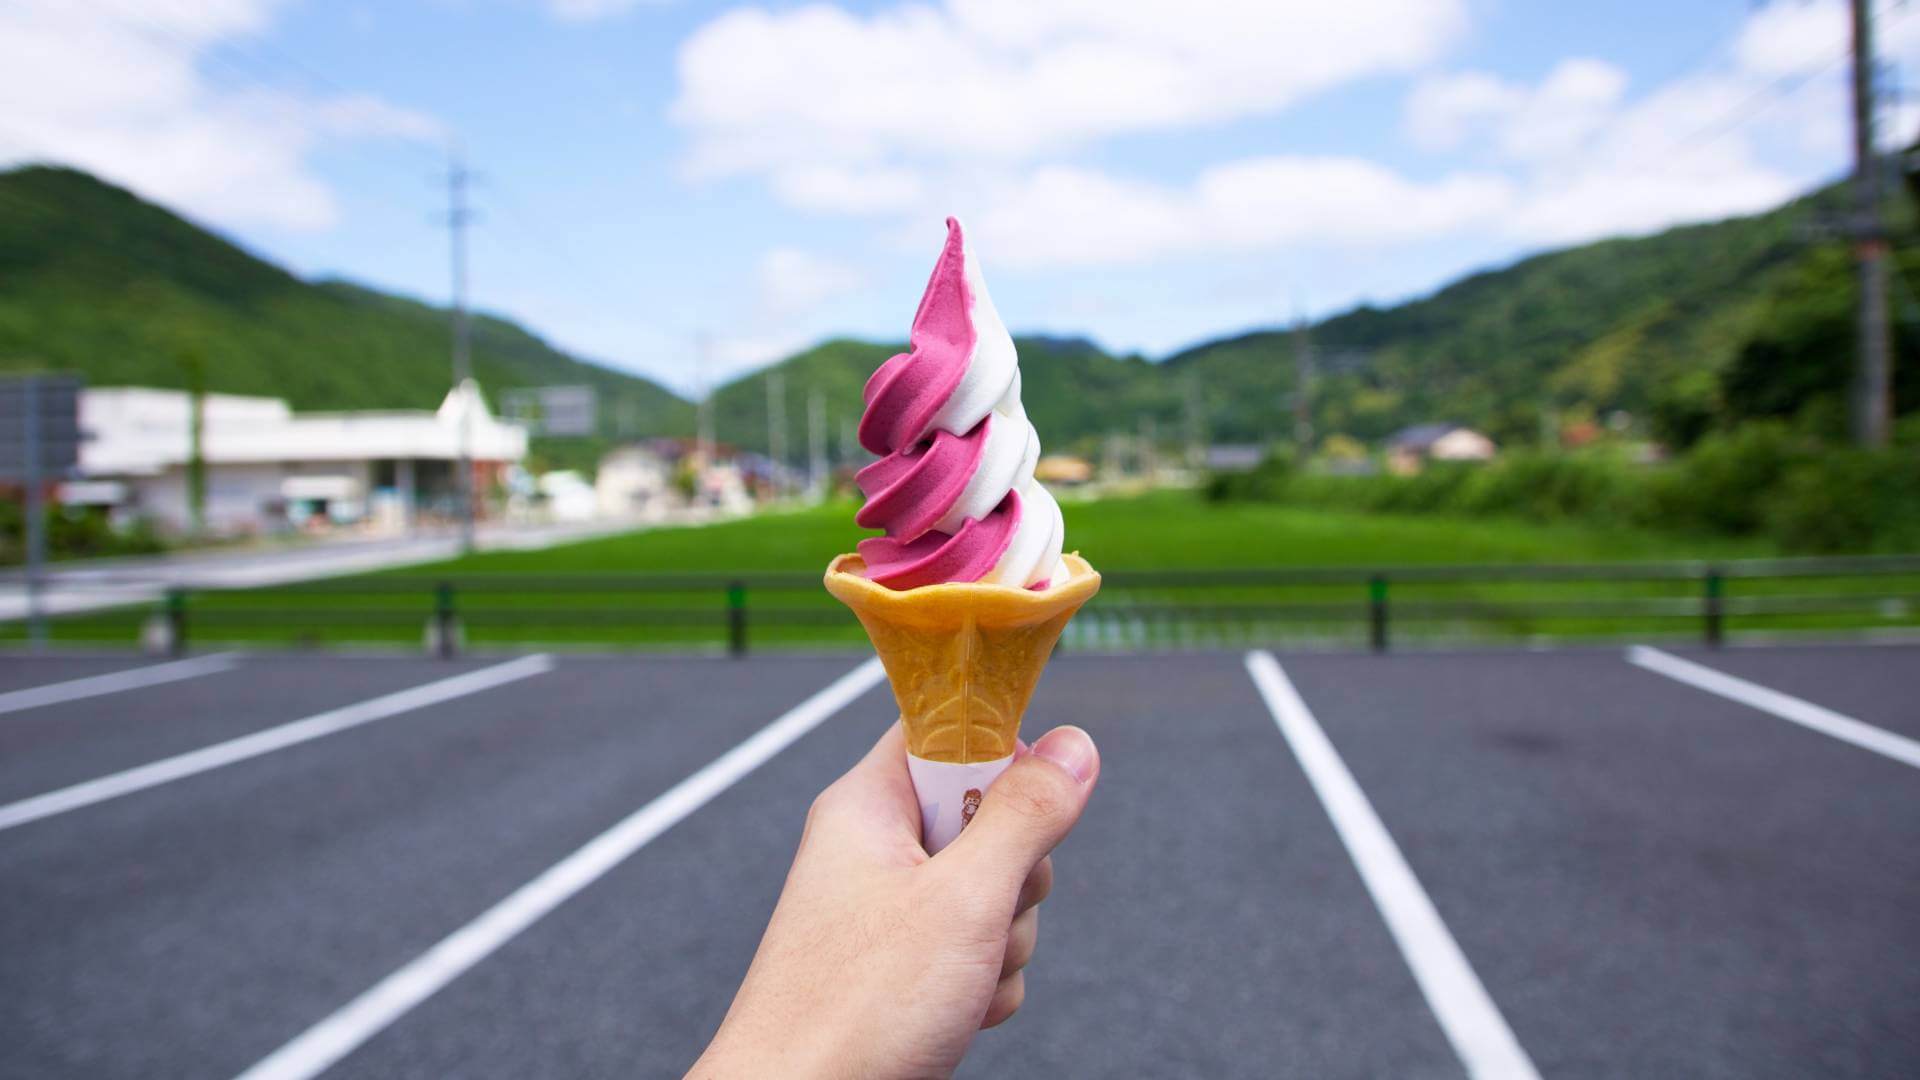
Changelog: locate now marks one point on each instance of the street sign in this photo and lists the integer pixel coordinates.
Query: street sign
(39, 442)
(566, 411)
(57, 398)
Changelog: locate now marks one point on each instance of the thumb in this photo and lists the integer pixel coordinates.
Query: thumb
(1028, 810)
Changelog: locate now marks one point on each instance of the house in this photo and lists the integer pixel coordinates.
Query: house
(267, 468)
(1235, 457)
(1411, 448)
(648, 478)
(1064, 470)
(638, 480)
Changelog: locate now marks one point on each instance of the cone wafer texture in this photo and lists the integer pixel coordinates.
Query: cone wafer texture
(963, 658)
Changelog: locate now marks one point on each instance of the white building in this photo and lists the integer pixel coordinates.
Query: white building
(635, 481)
(268, 468)
(1409, 448)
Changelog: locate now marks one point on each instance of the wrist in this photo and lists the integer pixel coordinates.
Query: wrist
(804, 1052)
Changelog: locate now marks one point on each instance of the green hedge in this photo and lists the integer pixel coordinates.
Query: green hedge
(1759, 479)
(72, 533)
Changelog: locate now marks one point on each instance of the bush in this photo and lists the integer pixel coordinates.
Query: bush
(1723, 485)
(1552, 487)
(1267, 482)
(73, 533)
(1849, 500)
(1763, 477)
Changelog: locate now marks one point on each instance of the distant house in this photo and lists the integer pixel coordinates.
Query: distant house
(648, 478)
(1064, 470)
(1235, 457)
(1410, 448)
(268, 467)
(636, 481)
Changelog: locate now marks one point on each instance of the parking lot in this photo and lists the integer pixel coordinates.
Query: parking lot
(1579, 863)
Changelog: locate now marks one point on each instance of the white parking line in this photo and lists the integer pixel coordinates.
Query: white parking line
(333, 1038)
(1785, 706)
(113, 682)
(1467, 1014)
(293, 733)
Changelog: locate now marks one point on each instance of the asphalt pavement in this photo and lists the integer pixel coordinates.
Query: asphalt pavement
(1637, 876)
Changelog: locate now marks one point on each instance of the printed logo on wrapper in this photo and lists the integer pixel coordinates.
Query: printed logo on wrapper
(950, 794)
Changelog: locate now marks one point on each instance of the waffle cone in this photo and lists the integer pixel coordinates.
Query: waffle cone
(963, 658)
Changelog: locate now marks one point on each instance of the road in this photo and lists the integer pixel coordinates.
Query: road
(96, 584)
(1566, 863)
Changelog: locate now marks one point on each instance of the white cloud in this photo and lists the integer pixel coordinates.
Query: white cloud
(794, 282)
(1062, 216)
(841, 189)
(1017, 79)
(1589, 159)
(122, 93)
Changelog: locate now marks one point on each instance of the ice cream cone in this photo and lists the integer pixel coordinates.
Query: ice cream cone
(963, 659)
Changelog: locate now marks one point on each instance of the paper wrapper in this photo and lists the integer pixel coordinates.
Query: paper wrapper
(963, 660)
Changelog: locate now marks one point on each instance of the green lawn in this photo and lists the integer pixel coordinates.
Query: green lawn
(1165, 530)
(582, 602)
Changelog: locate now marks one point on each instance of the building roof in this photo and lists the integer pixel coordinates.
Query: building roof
(1420, 436)
(131, 431)
(1224, 457)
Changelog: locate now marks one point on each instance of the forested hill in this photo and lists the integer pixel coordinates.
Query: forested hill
(1649, 326)
(93, 279)
(1692, 327)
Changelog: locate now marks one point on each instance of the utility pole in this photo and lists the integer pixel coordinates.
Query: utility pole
(816, 446)
(459, 215)
(703, 410)
(1147, 452)
(1872, 410)
(36, 516)
(1196, 424)
(777, 428)
(1302, 389)
(194, 360)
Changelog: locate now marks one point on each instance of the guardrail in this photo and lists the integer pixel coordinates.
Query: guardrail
(1136, 609)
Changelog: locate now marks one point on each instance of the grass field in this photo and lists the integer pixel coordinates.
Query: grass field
(581, 601)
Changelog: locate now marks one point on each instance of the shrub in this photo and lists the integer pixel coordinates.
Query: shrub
(1723, 485)
(1266, 482)
(1849, 500)
(1551, 487)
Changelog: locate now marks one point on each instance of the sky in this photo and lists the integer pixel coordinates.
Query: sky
(655, 174)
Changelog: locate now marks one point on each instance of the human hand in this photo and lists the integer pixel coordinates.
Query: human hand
(881, 961)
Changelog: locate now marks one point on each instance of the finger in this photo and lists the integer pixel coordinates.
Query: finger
(1038, 885)
(877, 791)
(1027, 811)
(1007, 997)
(1022, 937)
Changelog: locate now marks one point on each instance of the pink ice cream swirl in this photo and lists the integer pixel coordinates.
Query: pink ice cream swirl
(954, 488)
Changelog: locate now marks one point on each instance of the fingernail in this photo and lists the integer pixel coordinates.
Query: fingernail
(1070, 748)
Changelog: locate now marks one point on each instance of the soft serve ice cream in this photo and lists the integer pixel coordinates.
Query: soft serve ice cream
(967, 593)
(954, 488)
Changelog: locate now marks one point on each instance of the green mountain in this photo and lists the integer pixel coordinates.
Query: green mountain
(1647, 326)
(1693, 327)
(95, 280)
(1069, 385)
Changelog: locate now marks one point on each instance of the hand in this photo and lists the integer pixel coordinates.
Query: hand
(880, 961)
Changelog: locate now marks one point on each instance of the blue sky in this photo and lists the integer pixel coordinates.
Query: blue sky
(1150, 175)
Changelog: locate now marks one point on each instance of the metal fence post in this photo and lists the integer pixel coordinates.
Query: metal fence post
(445, 621)
(1377, 611)
(737, 618)
(177, 621)
(1713, 608)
